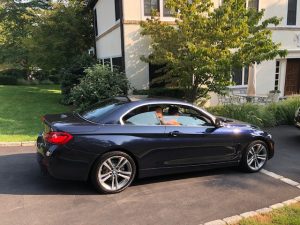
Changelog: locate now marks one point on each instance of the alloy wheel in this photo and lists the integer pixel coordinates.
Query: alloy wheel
(257, 156)
(115, 173)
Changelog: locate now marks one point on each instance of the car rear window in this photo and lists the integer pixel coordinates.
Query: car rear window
(101, 110)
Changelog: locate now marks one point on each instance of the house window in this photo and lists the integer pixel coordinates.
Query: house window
(253, 4)
(117, 63)
(155, 72)
(240, 76)
(167, 12)
(95, 22)
(292, 12)
(117, 9)
(150, 5)
(277, 72)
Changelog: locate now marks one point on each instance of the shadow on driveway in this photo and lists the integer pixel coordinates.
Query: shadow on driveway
(21, 175)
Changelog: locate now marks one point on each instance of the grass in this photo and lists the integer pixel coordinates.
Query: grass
(289, 215)
(21, 108)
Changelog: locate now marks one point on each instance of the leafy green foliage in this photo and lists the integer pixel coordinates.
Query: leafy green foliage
(203, 45)
(16, 21)
(99, 83)
(72, 75)
(274, 114)
(166, 92)
(63, 33)
(37, 35)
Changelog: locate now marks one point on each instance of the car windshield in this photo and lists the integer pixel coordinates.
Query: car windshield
(100, 110)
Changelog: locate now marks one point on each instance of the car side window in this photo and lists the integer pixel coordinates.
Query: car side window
(143, 116)
(185, 116)
(166, 114)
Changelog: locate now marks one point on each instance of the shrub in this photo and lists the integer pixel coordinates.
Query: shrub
(23, 82)
(55, 79)
(16, 73)
(29, 82)
(7, 80)
(165, 92)
(280, 113)
(70, 77)
(98, 83)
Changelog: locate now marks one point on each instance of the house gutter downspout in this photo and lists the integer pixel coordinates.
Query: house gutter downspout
(122, 35)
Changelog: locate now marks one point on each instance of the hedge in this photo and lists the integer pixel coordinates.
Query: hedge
(274, 114)
(7, 80)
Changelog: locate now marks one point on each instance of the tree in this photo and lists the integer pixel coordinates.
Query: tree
(16, 20)
(205, 43)
(64, 32)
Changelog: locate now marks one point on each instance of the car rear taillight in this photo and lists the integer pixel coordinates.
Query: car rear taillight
(58, 138)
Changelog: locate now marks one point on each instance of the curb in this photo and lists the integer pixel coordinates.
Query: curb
(237, 218)
(18, 144)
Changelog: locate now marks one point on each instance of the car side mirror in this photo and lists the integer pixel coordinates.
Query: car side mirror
(218, 122)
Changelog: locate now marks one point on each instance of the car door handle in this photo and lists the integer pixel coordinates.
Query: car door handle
(174, 133)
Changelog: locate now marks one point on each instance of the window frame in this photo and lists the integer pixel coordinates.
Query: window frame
(149, 15)
(277, 75)
(256, 6)
(205, 114)
(244, 82)
(290, 8)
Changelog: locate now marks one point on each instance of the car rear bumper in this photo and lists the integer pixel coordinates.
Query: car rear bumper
(61, 162)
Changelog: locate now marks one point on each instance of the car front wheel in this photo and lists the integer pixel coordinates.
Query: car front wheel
(113, 172)
(255, 156)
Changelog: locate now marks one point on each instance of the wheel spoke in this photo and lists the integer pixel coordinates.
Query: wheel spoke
(262, 157)
(107, 166)
(124, 176)
(250, 161)
(113, 183)
(121, 163)
(106, 176)
(256, 164)
(260, 148)
(252, 152)
(110, 163)
(117, 182)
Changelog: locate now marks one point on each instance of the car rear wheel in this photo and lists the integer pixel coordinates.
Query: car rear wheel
(113, 172)
(254, 157)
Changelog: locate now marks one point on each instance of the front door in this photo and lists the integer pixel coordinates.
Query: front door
(292, 79)
(195, 140)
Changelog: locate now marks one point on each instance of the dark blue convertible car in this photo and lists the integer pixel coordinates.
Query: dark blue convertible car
(119, 139)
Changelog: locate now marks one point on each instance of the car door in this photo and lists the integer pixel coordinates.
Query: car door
(144, 135)
(197, 141)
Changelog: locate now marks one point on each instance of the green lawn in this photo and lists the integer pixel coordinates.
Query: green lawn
(21, 108)
(286, 216)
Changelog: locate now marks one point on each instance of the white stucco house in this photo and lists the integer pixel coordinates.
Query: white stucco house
(118, 42)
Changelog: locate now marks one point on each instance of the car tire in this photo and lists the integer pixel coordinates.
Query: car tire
(113, 172)
(254, 157)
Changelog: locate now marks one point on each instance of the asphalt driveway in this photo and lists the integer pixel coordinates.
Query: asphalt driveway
(27, 197)
(286, 161)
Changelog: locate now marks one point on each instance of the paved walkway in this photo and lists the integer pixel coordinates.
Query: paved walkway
(27, 197)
